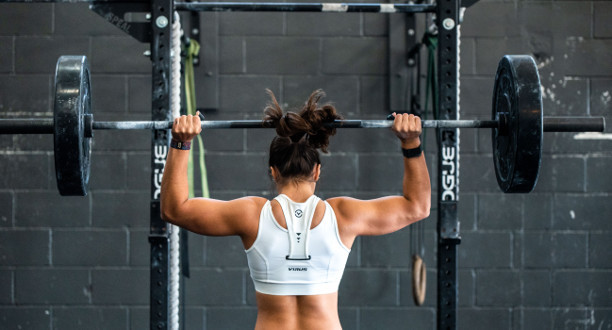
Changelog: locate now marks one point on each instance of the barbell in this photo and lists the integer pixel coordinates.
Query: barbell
(517, 124)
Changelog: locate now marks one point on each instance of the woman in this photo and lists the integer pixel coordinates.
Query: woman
(296, 245)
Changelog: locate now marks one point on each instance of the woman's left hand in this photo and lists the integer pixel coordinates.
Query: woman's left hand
(185, 128)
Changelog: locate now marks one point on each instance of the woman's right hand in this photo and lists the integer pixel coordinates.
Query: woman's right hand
(185, 128)
(408, 128)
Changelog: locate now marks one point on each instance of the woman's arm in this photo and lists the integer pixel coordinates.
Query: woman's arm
(200, 215)
(388, 214)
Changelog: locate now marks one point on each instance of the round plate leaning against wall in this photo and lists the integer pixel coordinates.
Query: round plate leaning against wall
(517, 142)
(72, 147)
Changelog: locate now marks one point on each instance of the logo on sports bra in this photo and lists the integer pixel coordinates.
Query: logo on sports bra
(298, 213)
(298, 269)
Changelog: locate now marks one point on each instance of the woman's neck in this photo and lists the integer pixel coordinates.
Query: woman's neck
(297, 191)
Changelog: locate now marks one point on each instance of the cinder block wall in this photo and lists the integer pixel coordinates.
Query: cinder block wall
(537, 261)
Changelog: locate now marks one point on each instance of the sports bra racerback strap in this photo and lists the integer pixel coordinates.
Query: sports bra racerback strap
(298, 217)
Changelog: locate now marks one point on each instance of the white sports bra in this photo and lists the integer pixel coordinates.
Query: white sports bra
(297, 260)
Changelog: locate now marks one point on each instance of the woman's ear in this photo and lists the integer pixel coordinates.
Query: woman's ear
(273, 173)
(317, 172)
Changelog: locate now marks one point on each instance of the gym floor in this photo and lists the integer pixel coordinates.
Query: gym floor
(536, 261)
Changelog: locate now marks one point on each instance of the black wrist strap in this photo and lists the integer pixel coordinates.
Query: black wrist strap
(411, 153)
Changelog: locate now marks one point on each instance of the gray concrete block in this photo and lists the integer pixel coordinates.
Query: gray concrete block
(108, 171)
(467, 288)
(483, 318)
(570, 318)
(376, 142)
(538, 212)
(600, 97)
(341, 91)
(375, 24)
(215, 287)
(349, 317)
(600, 251)
(6, 209)
(477, 174)
(194, 318)
(564, 143)
(355, 56)
(222, 140)
(475, 99)
(138, 170)
(7, 50)
(602, 27)
(368, 287)
(500, 211)
(17, 18)
(113, 209)
(52, 286)
(560, 250)
(563, 96)
(323, 24)
(373, 98)
(553, 174)
(90, 317)
(598, 178)
(36, 166)
(139, 317)
(30, 59)
(485, 250)
(252, 25)
(120, 286)
(246, 94)
(499, 18)
(587, 57)
(380, 172)
(338, 172)
(104, 55)
(582, 212)
(467, 59)
(281, 55)
(232, 51)
(140, 248)
(536, 319)
(237, 172)
(89, 248)
(490, 50)
(497, 288)
(536, 288)
(225, 252)
(396, 318)
(467, 211)
(582, 288)
(78, 19)
(44, 213)
(24, 248)
(230, 318)
(139, 94)
(6, 287)
(562, 18)
(21, 317)
(25, 94)
(108, 94)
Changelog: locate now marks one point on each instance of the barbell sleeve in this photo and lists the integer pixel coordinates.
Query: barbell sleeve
(574, 124)
(26, 126)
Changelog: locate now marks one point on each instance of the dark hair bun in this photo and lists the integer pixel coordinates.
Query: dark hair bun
(309, 125)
